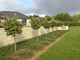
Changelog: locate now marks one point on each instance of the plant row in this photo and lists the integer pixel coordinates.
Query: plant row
(28, 48)
(72, 23)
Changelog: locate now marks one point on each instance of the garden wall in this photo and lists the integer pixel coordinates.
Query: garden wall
(27, 33)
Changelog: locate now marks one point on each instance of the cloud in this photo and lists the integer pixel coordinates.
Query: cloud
(15, 5)
(52, 7)
(42, 7)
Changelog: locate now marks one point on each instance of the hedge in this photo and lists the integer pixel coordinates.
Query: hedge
(72, 23)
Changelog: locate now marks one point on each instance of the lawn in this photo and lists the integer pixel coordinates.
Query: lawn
(28, 48)
(68, 48)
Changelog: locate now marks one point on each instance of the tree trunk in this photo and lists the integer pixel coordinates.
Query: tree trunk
(15, 43)
(52, 31)
(56, 28)
(37, 36)
(46, 36)
(46, 33)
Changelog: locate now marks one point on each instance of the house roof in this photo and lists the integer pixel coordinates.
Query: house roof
(12, 14)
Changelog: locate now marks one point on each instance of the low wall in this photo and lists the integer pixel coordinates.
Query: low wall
(27, 33)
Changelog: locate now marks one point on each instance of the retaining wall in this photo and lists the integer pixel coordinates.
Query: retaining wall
(27, 33)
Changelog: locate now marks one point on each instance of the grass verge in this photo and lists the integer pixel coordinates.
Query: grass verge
(68, 48)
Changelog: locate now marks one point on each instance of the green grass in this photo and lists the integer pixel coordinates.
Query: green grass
(68, 48)
(30, 46)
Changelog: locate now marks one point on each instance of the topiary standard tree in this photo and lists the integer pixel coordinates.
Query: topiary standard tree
(46, 25)
(58, 24)
(52, 25)
(35, 24)
(13, 27)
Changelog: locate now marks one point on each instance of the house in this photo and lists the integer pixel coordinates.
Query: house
(20, 17)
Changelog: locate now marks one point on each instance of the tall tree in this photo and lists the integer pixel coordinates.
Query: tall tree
(63, 17)
(59, 17)
(67, 17)
(52, 25)
(48, 18)
(46, 25)
(75, 18)
(35, 24)
(78, 15)
(34, 16)
(13, 27)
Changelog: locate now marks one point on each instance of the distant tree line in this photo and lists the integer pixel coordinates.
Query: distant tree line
(60, 17)
(67, 17)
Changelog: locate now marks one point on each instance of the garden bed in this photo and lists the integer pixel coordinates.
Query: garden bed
(28, 48)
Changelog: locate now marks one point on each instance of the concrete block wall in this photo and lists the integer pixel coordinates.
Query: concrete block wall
(27, 33)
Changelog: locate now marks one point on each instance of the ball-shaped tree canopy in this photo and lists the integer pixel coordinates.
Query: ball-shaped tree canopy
(12, 26)
(35, 23)
(53, 24)
(46, 24)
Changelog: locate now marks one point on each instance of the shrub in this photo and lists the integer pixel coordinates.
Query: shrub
(46, 25)
(35, 24)
(72, 23)
(66, 23)
(13, 27)
(59, 24)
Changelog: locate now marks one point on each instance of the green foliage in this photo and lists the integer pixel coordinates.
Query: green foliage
(67, 17)
(48, 17)
(63, 17)
(59, 24)
(35, 16)
(30, 16)
(12, 26)
(35, 23)
(78, 15)
(53, 24)
(75, 18)
(46, 24)
(66, 23)
(28, 48)
(59, 17)
(73, 23)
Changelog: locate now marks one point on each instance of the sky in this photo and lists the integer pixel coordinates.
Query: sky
(28, 2)
(41, 7)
